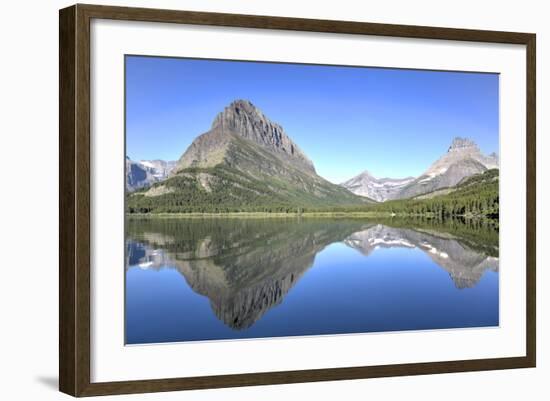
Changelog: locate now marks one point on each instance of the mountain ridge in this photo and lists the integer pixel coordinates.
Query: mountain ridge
(379, 189)
(462, 159)
(143, 173)
(247, 162)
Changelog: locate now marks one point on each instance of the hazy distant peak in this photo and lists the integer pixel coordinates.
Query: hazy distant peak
(379, 189)
(144, 173)
(366, 173)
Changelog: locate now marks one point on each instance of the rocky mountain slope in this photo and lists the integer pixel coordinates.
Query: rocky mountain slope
(463, 159)
(474, 196)
(241, 119)
(144, 173)
(378, 189)
(245, 162)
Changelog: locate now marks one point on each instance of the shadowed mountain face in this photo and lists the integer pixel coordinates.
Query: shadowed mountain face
(245, 267)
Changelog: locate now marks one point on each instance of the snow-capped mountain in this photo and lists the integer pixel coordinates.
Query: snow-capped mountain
(463, 159)
(143, 173)
(379, 189)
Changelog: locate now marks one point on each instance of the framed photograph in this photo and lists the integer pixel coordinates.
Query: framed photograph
(250, 200)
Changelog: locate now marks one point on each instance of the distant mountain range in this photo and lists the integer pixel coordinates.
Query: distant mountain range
(144, 173)
(246, 162)
(463, 159)
(378, 189)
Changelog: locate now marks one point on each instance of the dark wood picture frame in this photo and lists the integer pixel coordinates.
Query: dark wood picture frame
(74, 199)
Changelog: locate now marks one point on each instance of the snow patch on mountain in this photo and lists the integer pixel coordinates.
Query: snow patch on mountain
(379, 189)
(144, 173)
(463, 159)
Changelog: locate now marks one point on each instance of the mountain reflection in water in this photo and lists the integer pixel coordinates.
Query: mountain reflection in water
(245, 267)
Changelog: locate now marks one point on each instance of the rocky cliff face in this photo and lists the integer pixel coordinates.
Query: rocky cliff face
(461, 149)
(244, 120)
(247, 121)
(451, 176)
(463, 159)
(144, 173)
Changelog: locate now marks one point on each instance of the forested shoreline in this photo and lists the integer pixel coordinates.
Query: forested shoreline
(475, 197)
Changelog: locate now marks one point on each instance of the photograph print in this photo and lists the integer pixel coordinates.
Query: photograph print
(269, 199)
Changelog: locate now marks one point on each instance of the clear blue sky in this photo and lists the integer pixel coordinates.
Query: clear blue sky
(392, 122)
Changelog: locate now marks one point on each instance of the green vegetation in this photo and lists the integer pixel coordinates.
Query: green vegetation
(226, 235)
(262, 215)
(475, 196)
(224, 190)
(479, 234)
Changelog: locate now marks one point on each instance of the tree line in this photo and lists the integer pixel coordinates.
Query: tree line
(476, 196)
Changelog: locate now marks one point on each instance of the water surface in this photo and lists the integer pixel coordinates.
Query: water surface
(230, 278)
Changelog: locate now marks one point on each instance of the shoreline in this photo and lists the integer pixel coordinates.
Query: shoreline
(370, 214)
(260, 215)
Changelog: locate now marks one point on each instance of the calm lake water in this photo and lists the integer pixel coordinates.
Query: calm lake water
(208, 279)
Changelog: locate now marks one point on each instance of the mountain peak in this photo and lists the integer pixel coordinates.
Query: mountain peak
(463, 159)
(460, 144)
(366, 173)
(245, 105)
(378, 189)
(243, 119)
(238, 109)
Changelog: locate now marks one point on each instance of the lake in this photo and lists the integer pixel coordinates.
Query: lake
(190, 279)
